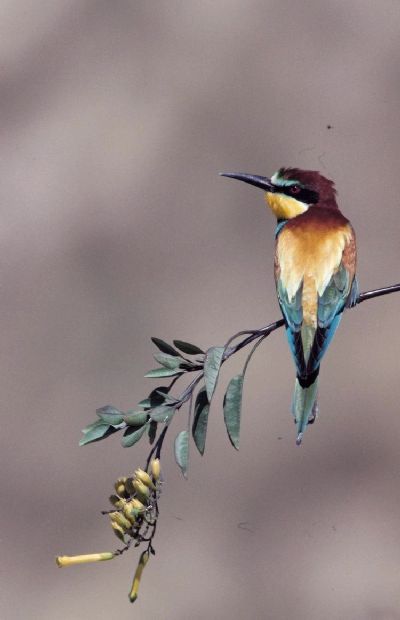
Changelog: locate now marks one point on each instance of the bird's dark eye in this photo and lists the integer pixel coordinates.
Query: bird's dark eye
(295, 189)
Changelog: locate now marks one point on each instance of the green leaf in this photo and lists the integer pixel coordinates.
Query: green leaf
(163, 372)
(199, 428)
(92, 425)
(182, 451)
(232, 409)
(162, 413)
(188, 348)
(157, 396)
(169, 361)
(212, 365)
(145, 403)
(164, 346)
(99, 430)
(152, 431)
(135, 418)
(171, 400)
(131, 436)
(110, 415)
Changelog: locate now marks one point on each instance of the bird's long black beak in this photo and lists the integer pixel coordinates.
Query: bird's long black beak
(253, 179)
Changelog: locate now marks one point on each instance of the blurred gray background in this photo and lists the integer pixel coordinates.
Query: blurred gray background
(115, 119)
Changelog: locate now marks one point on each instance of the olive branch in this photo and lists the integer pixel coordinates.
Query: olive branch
(135, 513)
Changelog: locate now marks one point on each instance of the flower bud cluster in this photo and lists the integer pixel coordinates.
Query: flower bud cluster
(135, 503)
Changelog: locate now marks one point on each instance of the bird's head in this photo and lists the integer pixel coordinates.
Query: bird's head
(290, 191)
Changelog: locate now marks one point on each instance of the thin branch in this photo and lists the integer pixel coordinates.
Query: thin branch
(378, 292)
(156, 449)
(254, 334)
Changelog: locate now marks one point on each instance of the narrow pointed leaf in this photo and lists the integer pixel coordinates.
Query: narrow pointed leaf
(152, 431)
(182, 451)
(163, 372)
(164, 346)
(232, 409)
(199, 428)
(171, 400)
(157, 396)
(163, 413)
(187, 347)
(131, 436)
(145, 403)
(212, 365)
(168, 361)
(96, 433)
(110, 415)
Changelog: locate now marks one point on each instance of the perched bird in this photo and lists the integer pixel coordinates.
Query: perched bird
(315, 264)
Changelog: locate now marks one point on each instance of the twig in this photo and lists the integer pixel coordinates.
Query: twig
(378, 292)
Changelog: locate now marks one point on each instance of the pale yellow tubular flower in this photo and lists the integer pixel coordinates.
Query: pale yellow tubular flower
(133, 594)
(71, 560)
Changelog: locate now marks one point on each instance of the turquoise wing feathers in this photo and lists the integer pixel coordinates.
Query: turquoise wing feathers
(341, 292)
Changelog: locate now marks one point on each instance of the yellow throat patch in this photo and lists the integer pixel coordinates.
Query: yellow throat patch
(285, 207)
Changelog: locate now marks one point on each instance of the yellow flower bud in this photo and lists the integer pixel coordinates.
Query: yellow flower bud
(133, 594)
(128, 486)
(137, 505)
(133, 508)
(66, 560)
(118, 531)
(144, 477)
(141, 488)
(130, 512)
(155, 469)
(118, 502)
(121, 520)
(119, 486)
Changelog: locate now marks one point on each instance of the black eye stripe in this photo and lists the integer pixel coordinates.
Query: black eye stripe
(308, 196)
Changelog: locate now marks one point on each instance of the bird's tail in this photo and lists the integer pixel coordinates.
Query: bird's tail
(304, 406)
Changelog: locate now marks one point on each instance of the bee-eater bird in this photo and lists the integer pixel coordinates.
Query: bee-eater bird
(315, 264)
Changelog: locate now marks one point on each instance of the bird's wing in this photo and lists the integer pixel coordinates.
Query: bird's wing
(341, 292)
(292, 310)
